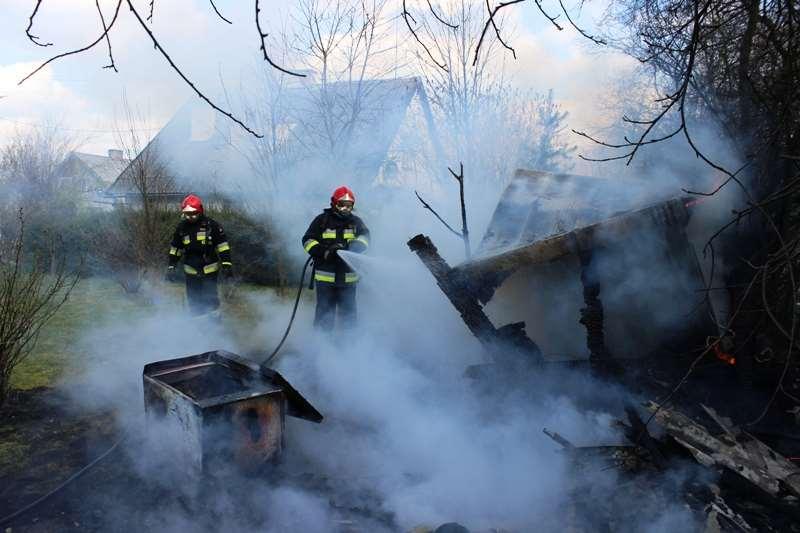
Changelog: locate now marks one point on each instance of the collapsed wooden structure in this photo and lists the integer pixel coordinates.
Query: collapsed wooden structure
(555, 238)
(563, 250)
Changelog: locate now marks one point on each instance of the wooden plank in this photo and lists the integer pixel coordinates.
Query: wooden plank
(744, 455)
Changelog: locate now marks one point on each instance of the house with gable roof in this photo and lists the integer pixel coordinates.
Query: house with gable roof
(372, 134)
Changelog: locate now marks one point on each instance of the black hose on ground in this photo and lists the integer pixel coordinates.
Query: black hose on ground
(294, 312)
(7, 519)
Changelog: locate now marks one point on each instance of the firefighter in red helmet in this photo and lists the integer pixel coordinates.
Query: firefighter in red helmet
(335, 229)
(201, 242)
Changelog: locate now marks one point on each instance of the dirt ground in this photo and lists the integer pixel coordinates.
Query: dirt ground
(45, 442)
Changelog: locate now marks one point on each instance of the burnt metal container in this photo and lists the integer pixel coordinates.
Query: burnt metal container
(217, 407)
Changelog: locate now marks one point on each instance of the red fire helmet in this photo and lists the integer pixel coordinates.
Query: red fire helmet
(343, 193)
(192, 204)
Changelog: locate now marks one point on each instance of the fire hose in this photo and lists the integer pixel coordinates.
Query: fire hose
(294, 312)
(16, 514)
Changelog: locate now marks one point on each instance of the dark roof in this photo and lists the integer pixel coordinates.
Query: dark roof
(104, 168)
(540, 214)
(200, 145)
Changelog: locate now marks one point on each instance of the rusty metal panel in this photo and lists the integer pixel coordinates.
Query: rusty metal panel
(178, 423)
(219, 407)
(248, 433)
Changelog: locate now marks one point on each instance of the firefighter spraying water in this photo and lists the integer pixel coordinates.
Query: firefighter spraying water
(335, 229)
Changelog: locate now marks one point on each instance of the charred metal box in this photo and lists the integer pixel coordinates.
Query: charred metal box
(217, 407)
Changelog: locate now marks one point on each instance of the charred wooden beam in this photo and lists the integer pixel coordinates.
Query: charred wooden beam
(739, 452)
(567, 445)
(499, 342)
(592, 316)
(638, 434)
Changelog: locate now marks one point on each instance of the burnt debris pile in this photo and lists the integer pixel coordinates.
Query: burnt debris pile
(601, 274)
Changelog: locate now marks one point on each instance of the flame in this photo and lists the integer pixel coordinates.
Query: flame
(723, 356)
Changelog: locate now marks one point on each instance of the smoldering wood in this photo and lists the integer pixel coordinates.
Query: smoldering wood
(592, 316)
(637, 433)
(738, 451)
(721, 515)
(564, 443)
(546, 219)
(501, 343)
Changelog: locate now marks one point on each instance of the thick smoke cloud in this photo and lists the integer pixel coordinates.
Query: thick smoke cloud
(405, 434)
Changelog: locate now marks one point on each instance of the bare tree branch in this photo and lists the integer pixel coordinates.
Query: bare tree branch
(464, 229)
(440, 19)
(592, 38)
(497, 32)
(183, 76)
(111, 65)
(218, 13)
(33, 38)
(150, 16)
(464, 233)
(78, 51)
(263, 47)
(427, 206)
(491, 21)
(547, 15)
(408, 17)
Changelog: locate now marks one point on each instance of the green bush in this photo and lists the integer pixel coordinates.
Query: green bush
(259, 254)
(113, 244)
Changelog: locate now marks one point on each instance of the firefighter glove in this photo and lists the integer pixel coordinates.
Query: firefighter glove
(171, 275)
(332, 249)
(227, 271)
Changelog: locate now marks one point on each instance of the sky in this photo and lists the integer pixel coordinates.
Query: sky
(78, 95)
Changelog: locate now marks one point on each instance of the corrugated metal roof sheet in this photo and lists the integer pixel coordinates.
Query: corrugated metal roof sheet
(539, 205)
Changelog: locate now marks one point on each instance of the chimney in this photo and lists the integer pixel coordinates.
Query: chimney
(115, 154)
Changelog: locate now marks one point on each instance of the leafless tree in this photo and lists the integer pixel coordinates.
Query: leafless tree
(464, 233)
(343, 43)
(271, 156)
(28, 172)
(108, 21)
(28, 163)
(475, 104)
(736, 65)
(29, 297)
(135, 239)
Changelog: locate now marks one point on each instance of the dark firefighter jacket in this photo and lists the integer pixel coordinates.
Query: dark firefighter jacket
(327, 229)
(202, 245)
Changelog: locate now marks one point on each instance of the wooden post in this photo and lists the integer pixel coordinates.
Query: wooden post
(500, 343)
(592, 316)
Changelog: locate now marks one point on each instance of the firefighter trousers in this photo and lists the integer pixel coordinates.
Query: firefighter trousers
(201, 294)
(333, 300)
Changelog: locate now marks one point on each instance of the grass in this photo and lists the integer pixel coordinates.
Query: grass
(58, 355)
(13, 451)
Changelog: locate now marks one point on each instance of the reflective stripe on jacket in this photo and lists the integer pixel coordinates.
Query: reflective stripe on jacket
(202, 245)
(327, 229)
